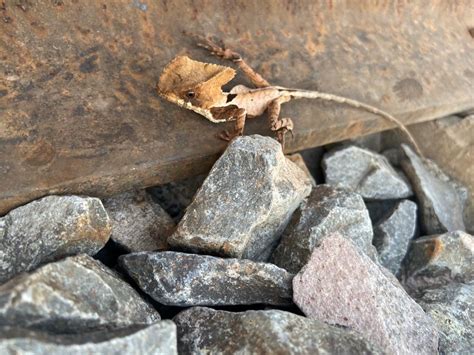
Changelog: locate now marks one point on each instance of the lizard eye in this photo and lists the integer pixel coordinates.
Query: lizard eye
(190, 94)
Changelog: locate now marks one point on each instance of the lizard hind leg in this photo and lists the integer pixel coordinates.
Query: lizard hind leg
(279, 125)
(228, 54)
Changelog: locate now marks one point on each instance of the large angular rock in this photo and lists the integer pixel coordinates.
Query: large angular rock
(206, 331)
(327, 210)
(180, 279)
(439, 200)
(341, 285)
(77, 294)
(138, 223)
(452, 309)
(392, 235)
(49, 229)
(453, 151)
(158, 339)
(365, 172)
(245, 202)
(437, 260)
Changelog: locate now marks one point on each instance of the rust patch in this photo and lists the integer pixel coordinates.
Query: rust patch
(313, 48)
(434, 249)
(39, 154)
(226, 248)
(408, 89)
(89, 65)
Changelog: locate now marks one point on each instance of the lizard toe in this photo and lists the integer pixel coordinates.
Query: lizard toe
(225, 136)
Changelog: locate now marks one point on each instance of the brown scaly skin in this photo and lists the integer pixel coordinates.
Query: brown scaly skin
(197, 86)
(280, 126)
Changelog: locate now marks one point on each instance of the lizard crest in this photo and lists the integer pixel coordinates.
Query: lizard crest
(194, 85)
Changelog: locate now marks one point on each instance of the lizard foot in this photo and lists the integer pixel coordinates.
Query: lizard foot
(228, 136)
(285, 125)
(218, 50)
(280, 135)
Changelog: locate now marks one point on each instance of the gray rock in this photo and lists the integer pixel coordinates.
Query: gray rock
(181, 279)
(159, 339)
(341, 285)
(437, 260)
(366, 173)
(176, 196)
(327, 210)
(393, 234)
(49, 229)
(297, 158)
(77, 294)
(449, 141)
(207, 331)
(245, 202)
(452, 309)
(440, 199)
(138, 223)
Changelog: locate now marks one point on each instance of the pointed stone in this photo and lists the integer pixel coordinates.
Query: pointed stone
(327, 210)
(74, 295)
(439, 198)
(180, 279)
(452, 309)
(49, 229)
(365, 172)
(245, 202)
(158, 339)
(392, 235)
(437, 260)
(206, 331)
(138, 223)
(341, 285)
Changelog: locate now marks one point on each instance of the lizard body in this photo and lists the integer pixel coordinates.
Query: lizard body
(197, 86)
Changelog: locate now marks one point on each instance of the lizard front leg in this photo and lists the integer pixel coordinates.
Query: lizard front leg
(228, 54)
(230, 113)
(277, 124)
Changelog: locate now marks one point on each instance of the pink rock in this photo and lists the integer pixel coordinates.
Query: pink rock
(340, 285)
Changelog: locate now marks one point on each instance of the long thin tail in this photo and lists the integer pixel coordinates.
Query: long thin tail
(357, 104)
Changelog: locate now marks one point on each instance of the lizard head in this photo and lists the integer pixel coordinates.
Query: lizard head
(194, 85)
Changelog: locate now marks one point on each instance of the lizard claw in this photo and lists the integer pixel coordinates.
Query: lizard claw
(281, 135)
(281, 138)
(228, 136)
(224, 135)
(281, 127)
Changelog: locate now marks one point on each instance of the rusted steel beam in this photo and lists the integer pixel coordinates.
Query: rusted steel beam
(79, 114)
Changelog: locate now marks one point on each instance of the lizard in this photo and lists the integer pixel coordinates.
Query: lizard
(197, 86)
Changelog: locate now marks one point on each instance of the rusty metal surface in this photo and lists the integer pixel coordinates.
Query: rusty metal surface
(78, 111)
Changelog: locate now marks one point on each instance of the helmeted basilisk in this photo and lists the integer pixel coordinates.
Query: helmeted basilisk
(197, 86)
